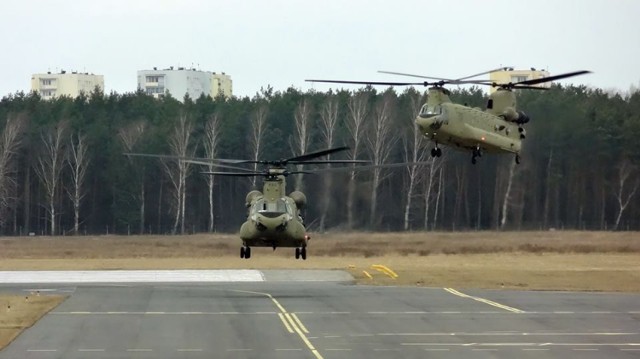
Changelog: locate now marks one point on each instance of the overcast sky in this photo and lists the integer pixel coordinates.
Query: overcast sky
(281, 43)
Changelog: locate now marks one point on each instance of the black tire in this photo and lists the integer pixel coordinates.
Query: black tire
(473, 160)
(247, 253)
(297, 253)
(303, 253)
(434, 152)
(242, 252)
(438, 152)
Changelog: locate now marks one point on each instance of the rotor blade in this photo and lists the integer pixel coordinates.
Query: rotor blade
(452, 81)
(372, 82)
(504, 68)
(321, 162)
(234, 174)
(363, 168)
(312, 155)
(552, 78)
(530, 87)
(411, 75)
(195, 160)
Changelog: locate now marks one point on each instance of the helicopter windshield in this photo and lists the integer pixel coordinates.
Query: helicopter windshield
(271, 208)
(428, 110)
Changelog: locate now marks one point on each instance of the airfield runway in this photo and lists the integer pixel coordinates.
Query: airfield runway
(308, 314)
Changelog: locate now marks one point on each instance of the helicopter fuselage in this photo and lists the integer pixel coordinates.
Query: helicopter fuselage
(274, 218)
(273, 224)
(466, 128)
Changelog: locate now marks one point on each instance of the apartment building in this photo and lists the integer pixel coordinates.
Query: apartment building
(71, 84)
(181, 81)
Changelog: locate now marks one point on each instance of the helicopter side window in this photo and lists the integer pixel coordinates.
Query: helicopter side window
(427, 111)
(490, 104)
(277, 206)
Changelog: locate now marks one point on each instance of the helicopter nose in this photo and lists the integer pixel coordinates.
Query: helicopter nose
(270, 224)
(429, 124)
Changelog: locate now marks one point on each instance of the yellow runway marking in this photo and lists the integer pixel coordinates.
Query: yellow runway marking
(289, 322)
(285, 322)
(386, 270)
(299, 322)
(486, 301)
(366, 274)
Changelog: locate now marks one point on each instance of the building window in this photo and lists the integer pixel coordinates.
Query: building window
(46, 82)
(153, 79)
(515, 79)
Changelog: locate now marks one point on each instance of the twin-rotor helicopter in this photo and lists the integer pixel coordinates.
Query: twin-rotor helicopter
(498, 128)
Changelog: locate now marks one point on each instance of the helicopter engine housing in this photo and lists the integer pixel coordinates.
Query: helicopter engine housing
(251, 196)
(299, 198)
(522, 118)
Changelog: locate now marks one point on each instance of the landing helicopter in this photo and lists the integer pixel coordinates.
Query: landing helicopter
(496, 129)
(274, 218)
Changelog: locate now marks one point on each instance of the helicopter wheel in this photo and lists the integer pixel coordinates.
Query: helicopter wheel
(297, 253)
(434, 152)
(247, 253)
(473, 160)
(517, 159)
(303, 253)
(242, 252)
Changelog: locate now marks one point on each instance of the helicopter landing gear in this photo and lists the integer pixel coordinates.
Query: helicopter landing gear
(517, 159)
(301, 252)
(245, 252)
(476, 153)
(436, 152)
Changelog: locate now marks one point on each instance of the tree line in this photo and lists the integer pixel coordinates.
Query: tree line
(62, 168)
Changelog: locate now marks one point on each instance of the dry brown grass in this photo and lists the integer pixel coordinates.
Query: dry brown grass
(604, 261)
(19, 312)
(331, 244)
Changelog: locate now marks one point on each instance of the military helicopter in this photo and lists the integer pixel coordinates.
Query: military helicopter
(496, 129)
(274, 218)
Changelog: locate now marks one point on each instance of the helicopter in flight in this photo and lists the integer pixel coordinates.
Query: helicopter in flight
(498, 128)
(274, 218)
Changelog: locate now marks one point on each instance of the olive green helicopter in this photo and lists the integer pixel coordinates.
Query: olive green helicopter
(275, 219)
(498, 128)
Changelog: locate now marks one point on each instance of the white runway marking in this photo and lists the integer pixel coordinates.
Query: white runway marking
(131, 276)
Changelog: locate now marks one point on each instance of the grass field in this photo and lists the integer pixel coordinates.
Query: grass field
(555, 260)
(18, 312)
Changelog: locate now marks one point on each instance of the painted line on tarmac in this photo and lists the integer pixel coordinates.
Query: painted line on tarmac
(288, 322)
(483, 300)
(130, 276)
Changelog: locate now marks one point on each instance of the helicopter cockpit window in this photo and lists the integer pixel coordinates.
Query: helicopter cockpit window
(276, 207)
(430, 110)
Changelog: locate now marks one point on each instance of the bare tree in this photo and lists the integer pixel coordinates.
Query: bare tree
(258, 128)
(130, 136)
(414, 152)
(302, 138)
(78, 161)
(9, 145)
(211, 143)
(506, 200)
(358, 108)
(431, 178)
(178, 170)
(625, 190)
(49, 167)
(328, 121)
(381, 139)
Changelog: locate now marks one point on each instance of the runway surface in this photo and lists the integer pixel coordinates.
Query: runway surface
(299, 315)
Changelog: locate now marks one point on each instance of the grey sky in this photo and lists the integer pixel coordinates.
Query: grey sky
(281, 43)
